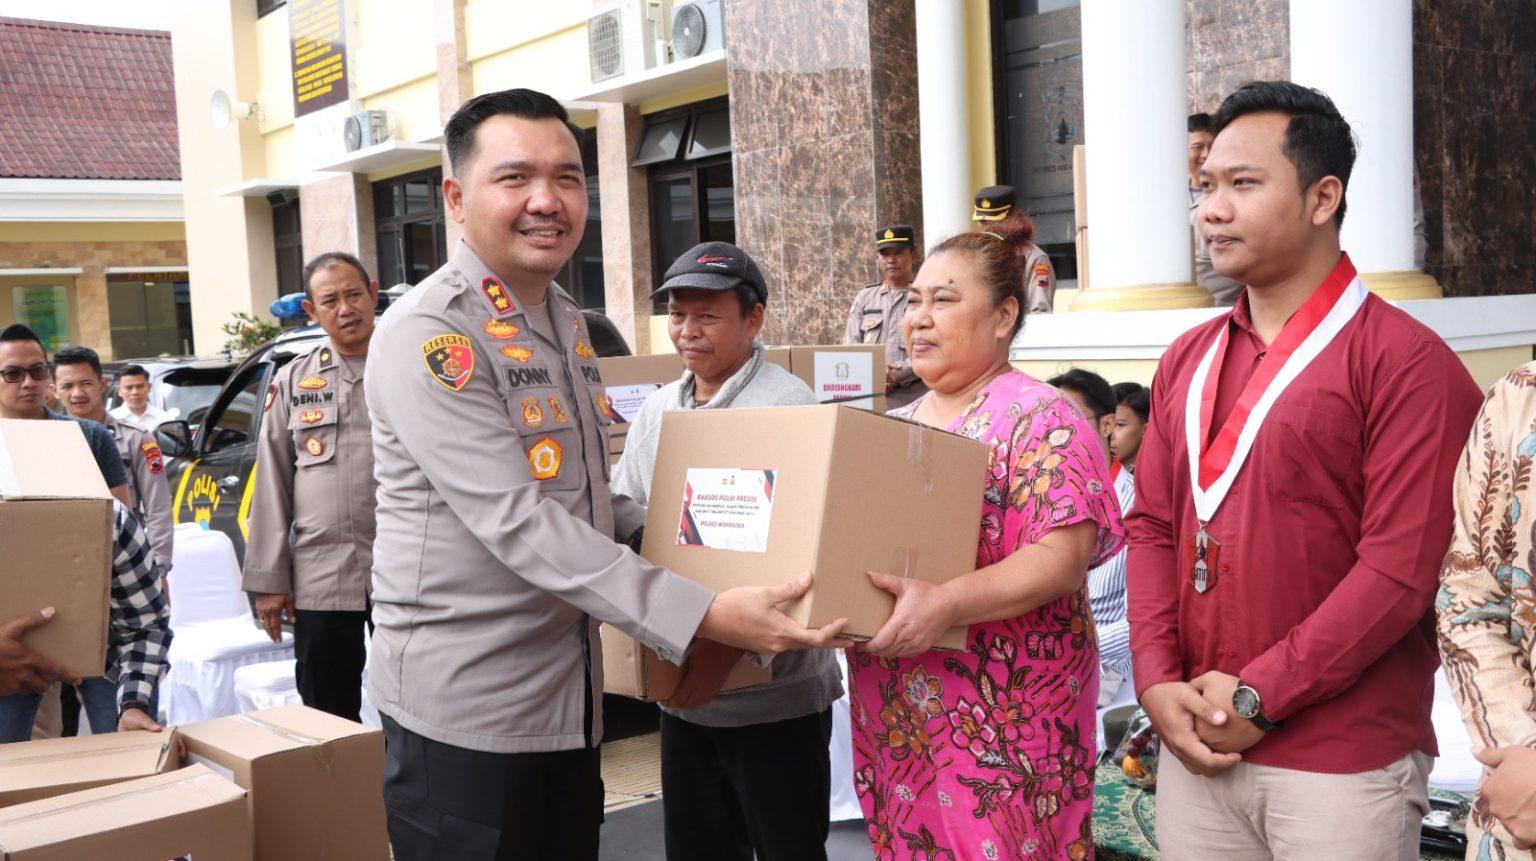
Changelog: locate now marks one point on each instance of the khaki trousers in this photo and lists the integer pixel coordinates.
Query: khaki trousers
(1262, 813)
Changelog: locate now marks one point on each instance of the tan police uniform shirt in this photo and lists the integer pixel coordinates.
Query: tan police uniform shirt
(314, 472)
(149, 494)
(1039, 281)
(874, 318)
(496, 550)
(1223, 290)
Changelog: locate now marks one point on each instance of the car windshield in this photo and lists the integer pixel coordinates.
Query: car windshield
(189, 391)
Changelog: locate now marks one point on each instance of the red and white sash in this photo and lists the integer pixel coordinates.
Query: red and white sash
(1213, 468)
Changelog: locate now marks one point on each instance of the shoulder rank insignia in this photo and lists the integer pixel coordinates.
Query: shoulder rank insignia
(584, 350)
(521, 355)
(325, 356)
(314, 446)
(533, 415)
(501, 330)
(872, 320)
(497, 295)
(152, 456)
(450, 359)
(544, 459)
(312, 383)
(271, 396)
(558, 410)
(309, 417)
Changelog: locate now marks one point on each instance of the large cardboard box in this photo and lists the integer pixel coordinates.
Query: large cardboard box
(31, 770)
(628, 381)
(757, 496)
(187, 813)
(50, 487)
(843, 373)
(314, 780)
(632, 670)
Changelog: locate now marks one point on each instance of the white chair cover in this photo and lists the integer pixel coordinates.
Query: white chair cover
(213, 632)
(265, 686)
(845, 802)
(1456, 769)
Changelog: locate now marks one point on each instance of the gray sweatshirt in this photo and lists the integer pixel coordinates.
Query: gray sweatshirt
(804, 682)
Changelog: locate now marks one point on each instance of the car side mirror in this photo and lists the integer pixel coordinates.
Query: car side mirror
(175, 438)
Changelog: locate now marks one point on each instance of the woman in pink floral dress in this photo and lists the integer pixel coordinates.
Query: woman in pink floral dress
(989, 753)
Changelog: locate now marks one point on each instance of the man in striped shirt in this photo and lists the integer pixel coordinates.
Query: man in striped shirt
(139, 634)
(1106, 584)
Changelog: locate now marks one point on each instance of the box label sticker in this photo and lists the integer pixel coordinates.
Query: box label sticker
(840, 375)
(727, 509)
(627, 399)
(194, 759)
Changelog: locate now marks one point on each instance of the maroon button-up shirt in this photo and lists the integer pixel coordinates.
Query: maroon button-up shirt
(1331, 539)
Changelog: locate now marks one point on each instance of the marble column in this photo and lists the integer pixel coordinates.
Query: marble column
(455, 82)
(1134, 78)
(941, 100)
(824, 133)
(1361, 54)
(338, 216)
(625, 198)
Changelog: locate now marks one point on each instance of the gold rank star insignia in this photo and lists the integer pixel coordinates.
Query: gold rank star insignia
(889, 235)
(501, 303)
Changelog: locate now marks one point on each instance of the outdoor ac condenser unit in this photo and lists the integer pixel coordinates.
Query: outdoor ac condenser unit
(628, 38)
(365, 129)
(698, 27)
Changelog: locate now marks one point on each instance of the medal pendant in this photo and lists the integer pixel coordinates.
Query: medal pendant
(1204, 554)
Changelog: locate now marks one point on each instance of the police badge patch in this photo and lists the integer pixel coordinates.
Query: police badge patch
(533, 416)
(271, 396)
(450, 359)
(1042, 274)
(153, 457)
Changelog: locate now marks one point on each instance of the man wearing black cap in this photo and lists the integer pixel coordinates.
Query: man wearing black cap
(877, 311)
(996, 207)
(747, 771)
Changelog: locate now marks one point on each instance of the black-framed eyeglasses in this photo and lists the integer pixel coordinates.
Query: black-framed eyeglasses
(13, 374)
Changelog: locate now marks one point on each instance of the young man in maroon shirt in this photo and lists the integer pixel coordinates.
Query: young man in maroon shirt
(1293, 502)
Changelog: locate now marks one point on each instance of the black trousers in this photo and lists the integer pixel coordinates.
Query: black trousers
(448, 803)
(728, 792)
(329, 654)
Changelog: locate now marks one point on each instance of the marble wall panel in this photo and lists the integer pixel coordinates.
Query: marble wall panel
(824, 137)
(1475, 142)
(1231, 42)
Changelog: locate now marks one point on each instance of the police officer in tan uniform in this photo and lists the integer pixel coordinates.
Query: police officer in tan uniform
(81, 388)
(1224, 291)
(314, 475)
(877, 311)
(496, 552)
(997, 202)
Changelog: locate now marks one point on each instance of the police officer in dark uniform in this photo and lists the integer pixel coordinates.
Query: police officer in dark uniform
(877, 311)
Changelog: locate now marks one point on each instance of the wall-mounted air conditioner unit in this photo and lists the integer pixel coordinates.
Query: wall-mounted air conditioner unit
(628, 38)
(365, 129)
(698, 27)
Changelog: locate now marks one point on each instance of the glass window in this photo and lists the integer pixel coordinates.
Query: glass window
(288, 242)
(661, 141)
(148, 318)
(233, 425)
(265, 6)
(719, 190)
(408, 221)
(711, 134)
(418, 197)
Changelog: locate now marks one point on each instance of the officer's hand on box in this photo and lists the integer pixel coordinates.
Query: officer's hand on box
(23, 671)
(748, 617)
(135, 717)
(270, 609)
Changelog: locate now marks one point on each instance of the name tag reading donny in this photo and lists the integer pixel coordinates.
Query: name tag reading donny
(840, 376)
(1214, 462)
(727, 509)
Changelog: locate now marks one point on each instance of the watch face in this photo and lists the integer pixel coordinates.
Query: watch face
(1245, 701)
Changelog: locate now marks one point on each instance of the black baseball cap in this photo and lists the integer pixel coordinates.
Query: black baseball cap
(714, 266)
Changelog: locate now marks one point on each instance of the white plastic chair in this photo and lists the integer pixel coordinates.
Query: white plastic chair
(265, 686)
(213, 630)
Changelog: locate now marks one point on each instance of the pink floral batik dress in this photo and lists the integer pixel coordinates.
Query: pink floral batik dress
(989, 753)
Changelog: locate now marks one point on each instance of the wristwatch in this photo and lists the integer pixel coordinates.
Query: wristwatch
(1246, 702)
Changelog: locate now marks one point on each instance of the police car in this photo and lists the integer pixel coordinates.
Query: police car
(210, 464)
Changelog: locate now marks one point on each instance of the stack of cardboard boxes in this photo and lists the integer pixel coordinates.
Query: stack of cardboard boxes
(285, 783)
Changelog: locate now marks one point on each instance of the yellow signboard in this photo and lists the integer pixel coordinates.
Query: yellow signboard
(317, 36)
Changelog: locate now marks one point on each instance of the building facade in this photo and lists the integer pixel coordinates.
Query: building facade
(92, 243)
(795, 127)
